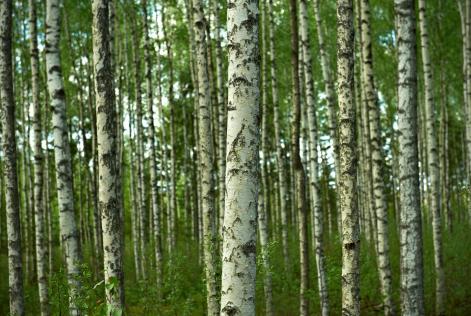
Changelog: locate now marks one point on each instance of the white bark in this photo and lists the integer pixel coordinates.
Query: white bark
(313, 159)
(221, 105)
(380, 206)
(206, 152)
(141, 203)
(7, 115)
(41, 248)
(108, 195)
(412, 299)
(348, 161)
(264, 197)
(240, 219)
(329, 92)
(67, 222)
(298, 185)
(153, 156)
(433, 163)
(280, 158)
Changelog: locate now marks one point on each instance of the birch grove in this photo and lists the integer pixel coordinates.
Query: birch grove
(235, 158)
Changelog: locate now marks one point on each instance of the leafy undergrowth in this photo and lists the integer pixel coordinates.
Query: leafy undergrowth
(183, 290)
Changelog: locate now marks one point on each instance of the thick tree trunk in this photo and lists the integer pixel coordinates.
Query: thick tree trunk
(348, 161)
(433, 162)
(242, 178)
(41, 247)
(108, 195)
(206, 153)
(313, 160)
(412, 291)
(68, 226)
(15, 269)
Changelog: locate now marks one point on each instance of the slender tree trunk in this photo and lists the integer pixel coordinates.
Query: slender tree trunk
(280, 158)
(297, 166)
(412, 291)
(313, 160)
(68, 226)
(264, 197)
(41, 248)
(433, 162)
(348, 161)
(139, 148)
(153, 158)
(242, 181)
(329, 92)
(468, 90)
(47, 193)
(205, 151)
(173, 199)
(15, 269)
(444, 153)
(221, 105)
(108, 195)
(380, 206)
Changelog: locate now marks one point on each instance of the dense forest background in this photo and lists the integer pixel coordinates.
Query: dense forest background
(156, 54)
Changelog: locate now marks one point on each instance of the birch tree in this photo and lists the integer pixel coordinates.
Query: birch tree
(10, 176)
(206, 153)
(242, 181)
(433, 162)
(65, 196)
(264, 195)
(380, 206)
(296, 163)
(412, 295)
(313, 159)
(108, 195)
(41, 250)
(281, 171)
(348, 161)
(153, 163)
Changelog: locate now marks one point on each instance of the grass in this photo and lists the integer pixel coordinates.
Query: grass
(183, 291)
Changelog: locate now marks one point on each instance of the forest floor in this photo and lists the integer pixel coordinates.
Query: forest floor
(184, 291)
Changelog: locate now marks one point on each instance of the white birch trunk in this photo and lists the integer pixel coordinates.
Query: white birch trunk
(242, 181)
(380, 206)
(313, 159)
(412, 299)
(41, 247)
(280, 158)
(153, 159)
(108, 195)
(7, 115)
(206, 152)
(433, 162)
(67, 222)
(348, 161)
(264, 197)
(329, 92)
